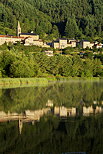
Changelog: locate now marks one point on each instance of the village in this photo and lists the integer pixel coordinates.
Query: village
(32, 39)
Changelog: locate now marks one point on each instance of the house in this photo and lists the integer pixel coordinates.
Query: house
(84, 44)
(30, 41)
(72, 43)
(55, 44)
(98, 45)
(49, 53)
(63, 43)
(60, 43)
(10, 39)
(30, 35)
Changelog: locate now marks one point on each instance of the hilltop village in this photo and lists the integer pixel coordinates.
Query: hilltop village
(29, 56)
(29, 39)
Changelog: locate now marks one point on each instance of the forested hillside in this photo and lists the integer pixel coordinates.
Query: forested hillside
(53, 18)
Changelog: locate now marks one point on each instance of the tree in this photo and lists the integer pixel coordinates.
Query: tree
(97, 67)
(76, 66)
(71, 29)
(24, 68)
(87, 68)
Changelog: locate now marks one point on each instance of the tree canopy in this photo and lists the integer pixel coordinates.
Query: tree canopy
(71, 18)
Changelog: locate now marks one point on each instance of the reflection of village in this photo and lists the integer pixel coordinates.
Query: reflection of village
(60, 111)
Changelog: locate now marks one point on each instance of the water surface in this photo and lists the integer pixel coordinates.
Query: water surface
(61, 118)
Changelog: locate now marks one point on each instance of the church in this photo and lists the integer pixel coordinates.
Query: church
(27, 39)
(26, 35)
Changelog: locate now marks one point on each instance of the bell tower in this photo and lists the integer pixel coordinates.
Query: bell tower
(18, 29)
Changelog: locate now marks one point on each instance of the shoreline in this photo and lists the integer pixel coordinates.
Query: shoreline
(22, 82)
(43, 81)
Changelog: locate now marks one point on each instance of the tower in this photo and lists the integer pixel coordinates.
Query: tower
(18, 29)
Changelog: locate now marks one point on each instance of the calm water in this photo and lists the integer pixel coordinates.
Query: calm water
(63, 118)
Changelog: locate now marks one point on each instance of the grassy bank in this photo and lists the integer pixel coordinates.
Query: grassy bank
(25, 82)
(20, 82)
(60, 78)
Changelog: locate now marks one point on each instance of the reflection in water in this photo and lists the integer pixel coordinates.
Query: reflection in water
(53, 135)
(61, 111)
(60, 118)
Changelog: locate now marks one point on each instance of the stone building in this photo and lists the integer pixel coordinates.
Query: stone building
(84, 44)
(55, 44)
(63, 43)
(10, 39)
(59, 44)
(30, 41)
(72, 43)
(49, 53)
(98, 45)
(34, 36)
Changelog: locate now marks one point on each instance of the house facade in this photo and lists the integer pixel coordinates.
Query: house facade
(49, 53)
(10, 39)
(98, 45)
(84, 44)
(63, 43)
(34, 36)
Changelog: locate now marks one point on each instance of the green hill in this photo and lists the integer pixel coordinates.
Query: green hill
(53, 18)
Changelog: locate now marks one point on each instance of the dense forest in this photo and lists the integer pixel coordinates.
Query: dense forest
(53, 18)
(21, 65)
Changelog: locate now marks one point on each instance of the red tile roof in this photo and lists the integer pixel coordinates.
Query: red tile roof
(8, 36)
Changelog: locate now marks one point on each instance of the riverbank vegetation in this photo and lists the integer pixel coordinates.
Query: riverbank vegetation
(22, 82)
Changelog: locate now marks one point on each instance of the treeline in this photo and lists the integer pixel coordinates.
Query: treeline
(19, 64)
(53, 19)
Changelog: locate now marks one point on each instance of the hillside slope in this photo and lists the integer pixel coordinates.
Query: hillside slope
(53, 18)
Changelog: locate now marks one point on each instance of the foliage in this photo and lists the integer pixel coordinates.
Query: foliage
(19, 63)
(51, 19)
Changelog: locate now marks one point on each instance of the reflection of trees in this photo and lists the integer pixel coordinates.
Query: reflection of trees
(52, 135)
(8, 135)
(20, 99)
(68, 94)
(71, 94)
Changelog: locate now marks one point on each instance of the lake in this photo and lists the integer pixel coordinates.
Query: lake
(61, 118)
